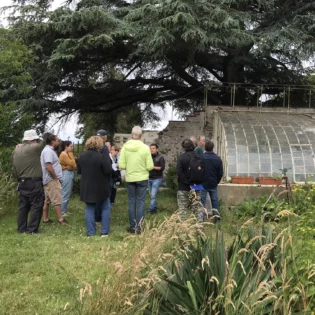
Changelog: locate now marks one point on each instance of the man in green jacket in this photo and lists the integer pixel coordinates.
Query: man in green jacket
(135, 158)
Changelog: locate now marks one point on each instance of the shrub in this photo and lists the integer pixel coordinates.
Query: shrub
(171, 178)
(7, 190)
(255, 276)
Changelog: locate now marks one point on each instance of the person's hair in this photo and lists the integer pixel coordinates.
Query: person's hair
(188, 145)
(136, 131)
(94, 143)
(202, 138)
(49, 138)
(193, 139)
(154, 145)
(62, 146)
(115, 147)
(209, 146)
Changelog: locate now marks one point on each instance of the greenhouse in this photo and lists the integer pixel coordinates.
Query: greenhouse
(263, 144)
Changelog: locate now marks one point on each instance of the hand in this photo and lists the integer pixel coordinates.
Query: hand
(18, 145)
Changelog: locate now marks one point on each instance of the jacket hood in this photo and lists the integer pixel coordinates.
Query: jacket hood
(133, 145)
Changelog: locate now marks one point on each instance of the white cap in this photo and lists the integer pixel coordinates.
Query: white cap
(30, 135)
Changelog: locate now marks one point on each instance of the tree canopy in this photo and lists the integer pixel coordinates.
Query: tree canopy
(106, 55)
(15, 84)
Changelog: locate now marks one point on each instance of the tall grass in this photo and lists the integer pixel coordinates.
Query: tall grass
(127, 288)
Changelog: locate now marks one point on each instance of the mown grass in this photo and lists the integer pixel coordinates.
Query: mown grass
(43, 274)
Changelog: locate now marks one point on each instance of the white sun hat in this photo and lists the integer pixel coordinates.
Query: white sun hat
(30, 135)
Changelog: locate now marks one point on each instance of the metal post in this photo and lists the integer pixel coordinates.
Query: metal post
(284, 97)
(289, 90)
(310, 98)
(234, 89)
(258, 96)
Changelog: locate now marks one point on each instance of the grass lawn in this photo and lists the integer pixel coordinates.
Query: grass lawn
(40, 274)
(43, 274)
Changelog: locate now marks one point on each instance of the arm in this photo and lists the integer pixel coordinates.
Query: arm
(180, 171)
(149, 161)
(51, 171)
(122, 159)
(162, 165)
(106, 165)
(220, 171)
(65, 160)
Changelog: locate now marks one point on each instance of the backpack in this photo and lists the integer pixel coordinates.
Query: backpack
(196, 168)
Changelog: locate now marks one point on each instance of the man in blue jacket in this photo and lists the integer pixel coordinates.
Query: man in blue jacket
(213, 175)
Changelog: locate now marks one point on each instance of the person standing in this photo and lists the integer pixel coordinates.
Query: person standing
(117, 175)
(196, 147)
(102, 133)
(28, 171)
(135, 158)
(155, 176)
(95, 170)
(52, 178)
(68, 165)
(213, 176)
(189, 167)
(202, 142)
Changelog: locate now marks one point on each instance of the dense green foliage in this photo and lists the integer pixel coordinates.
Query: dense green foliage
(15, 86)
(250, 278)
(105, 55)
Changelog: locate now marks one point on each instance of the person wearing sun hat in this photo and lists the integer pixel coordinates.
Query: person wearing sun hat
(28, 171)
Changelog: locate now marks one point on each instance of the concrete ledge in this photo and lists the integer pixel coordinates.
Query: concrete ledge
(234, 194)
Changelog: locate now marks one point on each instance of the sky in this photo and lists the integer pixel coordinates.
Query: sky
(67, 130)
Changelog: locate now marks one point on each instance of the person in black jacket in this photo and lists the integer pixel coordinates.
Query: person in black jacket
(187, 198)
(213, 175)
(95, 170)
(155, 176)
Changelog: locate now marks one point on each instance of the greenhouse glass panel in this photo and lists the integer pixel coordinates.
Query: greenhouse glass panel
(263, 143)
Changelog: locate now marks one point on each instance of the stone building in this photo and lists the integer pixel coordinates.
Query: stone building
(148, 137)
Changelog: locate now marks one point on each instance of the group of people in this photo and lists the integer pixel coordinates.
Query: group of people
(199, 171)
(45, 172)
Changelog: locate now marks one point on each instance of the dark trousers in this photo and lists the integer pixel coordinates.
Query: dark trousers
(113, 195)
(32, 198)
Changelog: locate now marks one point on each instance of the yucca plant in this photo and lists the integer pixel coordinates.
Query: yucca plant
(251, 277)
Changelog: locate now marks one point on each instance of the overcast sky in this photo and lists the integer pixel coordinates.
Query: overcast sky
(68, 130)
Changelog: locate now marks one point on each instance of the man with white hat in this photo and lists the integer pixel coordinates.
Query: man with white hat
(27, 168)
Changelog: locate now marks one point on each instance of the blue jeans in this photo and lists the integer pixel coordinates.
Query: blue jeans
(90, 217)
(66, 186)
(154, 185)
(98, 212)
(213, 197)
(136, 203)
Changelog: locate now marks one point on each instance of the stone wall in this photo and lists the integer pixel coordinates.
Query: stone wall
(171, 137)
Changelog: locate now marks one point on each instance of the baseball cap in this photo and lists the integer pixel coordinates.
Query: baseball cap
(101, 133)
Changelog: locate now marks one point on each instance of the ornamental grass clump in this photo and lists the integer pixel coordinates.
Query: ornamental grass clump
(256, 275)
(134, 267)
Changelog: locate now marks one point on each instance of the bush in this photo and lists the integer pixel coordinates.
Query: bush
(7, 190)
(255, 276)
(171, 178)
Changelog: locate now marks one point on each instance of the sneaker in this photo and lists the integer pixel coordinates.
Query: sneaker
(63, 222)
(48, 221)
(104, 235)
(130, 230)
(152, 212)
(66, 214)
